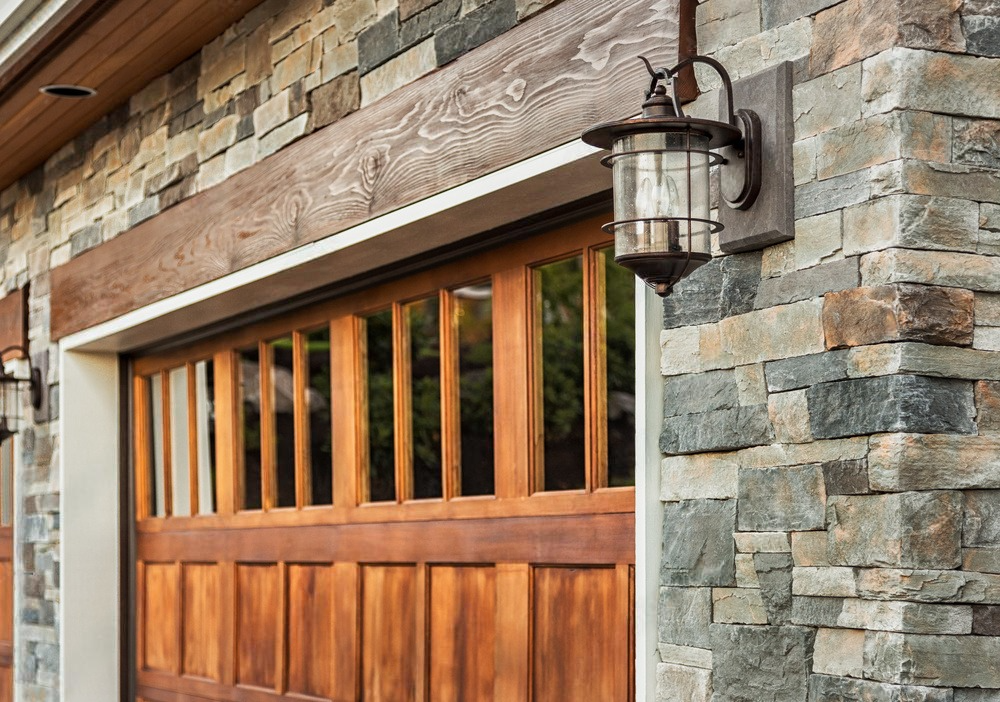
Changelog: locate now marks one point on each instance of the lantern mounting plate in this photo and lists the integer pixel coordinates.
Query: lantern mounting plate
(768, 96)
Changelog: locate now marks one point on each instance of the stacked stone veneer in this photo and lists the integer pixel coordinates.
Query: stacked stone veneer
(831, 484)
(287, 68)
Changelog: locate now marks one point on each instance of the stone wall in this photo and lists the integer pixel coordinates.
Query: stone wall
(832, 404)
(288, 68)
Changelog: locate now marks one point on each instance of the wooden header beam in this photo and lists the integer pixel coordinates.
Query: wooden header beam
(535, 87)
(14, 320)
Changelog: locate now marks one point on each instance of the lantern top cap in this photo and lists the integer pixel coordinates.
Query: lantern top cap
(662, 112)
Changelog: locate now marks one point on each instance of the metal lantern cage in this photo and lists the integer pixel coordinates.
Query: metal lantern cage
(661, 164)
(17, 392)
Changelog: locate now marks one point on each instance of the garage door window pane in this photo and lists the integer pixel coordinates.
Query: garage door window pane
(157, 502)
(204, 374)
(423, 324)
(474, 309)
(381, 430)
(282, 389)
(318, 404)
(250, 406)
(619, 302)
(179, 445)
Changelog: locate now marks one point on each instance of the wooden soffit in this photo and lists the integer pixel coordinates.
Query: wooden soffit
(535, 87)
(114, 46)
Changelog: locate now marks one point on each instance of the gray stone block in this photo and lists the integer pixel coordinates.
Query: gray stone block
(941, 661)
(478, 27)
(982, 34)
(701, 392)
(929, 585)
(378, 43)
(698, 545)
(86, 238)
(819, 196)
(722, 430)
(420, 26)
(970, 695)
(774, 574)
(894, 403)
(684, 616)
(781, 499)
(909, 530)
(986, 620)
(977, 141)
(723, 287)
(817, 611)
(828, 688)
(803, 371)
(848, 477)
(981, 525)
(780, 12)
(809, 283)
(761, 664)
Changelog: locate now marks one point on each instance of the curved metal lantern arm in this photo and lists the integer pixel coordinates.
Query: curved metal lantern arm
(672, 74)
(34, 378)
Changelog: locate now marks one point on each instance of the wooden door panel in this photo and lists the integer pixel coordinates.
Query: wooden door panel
(388, 633)
(462, 633)
(161, 605)
(6, 601)
(580, 642)
(202, 611)
(258, 622)
(311, 630)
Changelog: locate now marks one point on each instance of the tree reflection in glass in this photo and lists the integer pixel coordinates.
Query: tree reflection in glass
(381, 430)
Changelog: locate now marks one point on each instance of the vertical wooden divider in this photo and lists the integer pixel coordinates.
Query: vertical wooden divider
(300, 368)
(348, 410)
(421, 664)
(140, 615)
(535, 380)
(192, 402)
(623, 606)
(281, 640)
(511, 420)
(512, 671)
(228, 456)
(347, 631)
(141, 443)
(402, 402)
(168, 469)
(451, 434)
(268, 440)
(595, 382)
(227, 623)
(179, 614)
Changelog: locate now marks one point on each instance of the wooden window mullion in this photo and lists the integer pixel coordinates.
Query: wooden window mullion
(512, 421)
(451, 435)
(535, 380)
(349, 411)
(192, 403)
(300, 369)
(402, 402)
(142, 446)
(229, 475)
(168, 475)
(268, 440)
(595, 370)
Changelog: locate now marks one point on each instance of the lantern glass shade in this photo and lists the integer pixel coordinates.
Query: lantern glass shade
(661, 193)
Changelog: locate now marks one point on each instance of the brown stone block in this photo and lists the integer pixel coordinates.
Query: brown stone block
(857, 29)
(335, 100)
(903, 312)
(988, 405)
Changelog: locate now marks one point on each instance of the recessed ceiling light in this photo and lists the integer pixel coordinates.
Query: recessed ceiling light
(68, 91)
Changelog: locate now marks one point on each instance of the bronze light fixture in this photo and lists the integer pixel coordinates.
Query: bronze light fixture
(661, 163)
(11, 389)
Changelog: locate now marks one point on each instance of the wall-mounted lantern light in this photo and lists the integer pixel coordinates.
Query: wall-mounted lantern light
(12, 388)
(660, 162)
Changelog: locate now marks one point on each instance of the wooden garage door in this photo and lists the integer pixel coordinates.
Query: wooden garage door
(422, 491)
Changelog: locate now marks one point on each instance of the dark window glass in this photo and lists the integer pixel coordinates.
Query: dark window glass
(619, 303)
(156, 484)
(559, 290)
(381, 430)
(319, 427)
(283, 406)
(423, 320)
(474, 309)
(250, 420)
(204, 388)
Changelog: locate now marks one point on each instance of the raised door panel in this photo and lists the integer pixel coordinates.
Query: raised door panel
(202, 612)
(310, 630)
(162, 626)
(580, 641)
(462, 633)
(388, 633)
(258, 624)
(6, 684)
